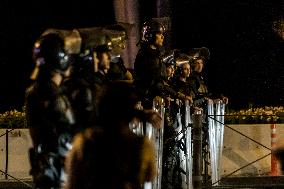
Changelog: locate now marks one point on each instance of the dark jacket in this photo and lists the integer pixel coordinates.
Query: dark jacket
(49, 114)
(149, 72)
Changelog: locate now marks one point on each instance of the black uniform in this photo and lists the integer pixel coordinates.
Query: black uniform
(80, 95)
(48, 113)
(80, 92)
(149, 72)
(200, 88)
(117, 69)
(50, 119)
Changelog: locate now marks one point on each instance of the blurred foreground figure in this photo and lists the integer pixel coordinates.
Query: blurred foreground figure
(110, 155)
(49, 114)
(79, 89)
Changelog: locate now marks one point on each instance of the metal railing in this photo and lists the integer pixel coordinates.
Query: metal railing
(186, 133)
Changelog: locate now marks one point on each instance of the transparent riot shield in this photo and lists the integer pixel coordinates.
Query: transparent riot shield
(197, 150)
(92, 37)
(216, 112)
(72, 39)
(184, 145)
(188, 144)
(180, 142)
(156, 136)
(137, 126)
(219, 121)
(79, 39)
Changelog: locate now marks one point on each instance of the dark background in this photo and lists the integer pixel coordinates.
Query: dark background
(246, 54)
(247, 62)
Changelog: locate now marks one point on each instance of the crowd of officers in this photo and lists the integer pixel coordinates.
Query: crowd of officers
(79, 107)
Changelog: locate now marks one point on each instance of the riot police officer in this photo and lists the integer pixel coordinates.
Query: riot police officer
(49, 114)
(149, 71)
(199, 57)
(103, 53)
(80, 90)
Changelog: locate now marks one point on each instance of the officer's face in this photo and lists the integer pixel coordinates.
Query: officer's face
(67, 73)
(185, 70)
(104, 60)
(199, 64)
(96, 61)
(170, 71)
(159, 39)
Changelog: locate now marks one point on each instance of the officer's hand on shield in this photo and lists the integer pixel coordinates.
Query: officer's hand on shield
(225, 99)
(153, 117)
(189, 98)
(168, 101)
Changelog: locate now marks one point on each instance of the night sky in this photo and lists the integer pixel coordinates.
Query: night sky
(246, 54)
(22, 22)
(247, 62)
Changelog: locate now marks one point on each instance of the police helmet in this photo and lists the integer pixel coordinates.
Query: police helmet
(200, 53)
(117, 37)
(169, 59)
(103, 48)
(182, 59)
(49, 52)
(149, 31)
